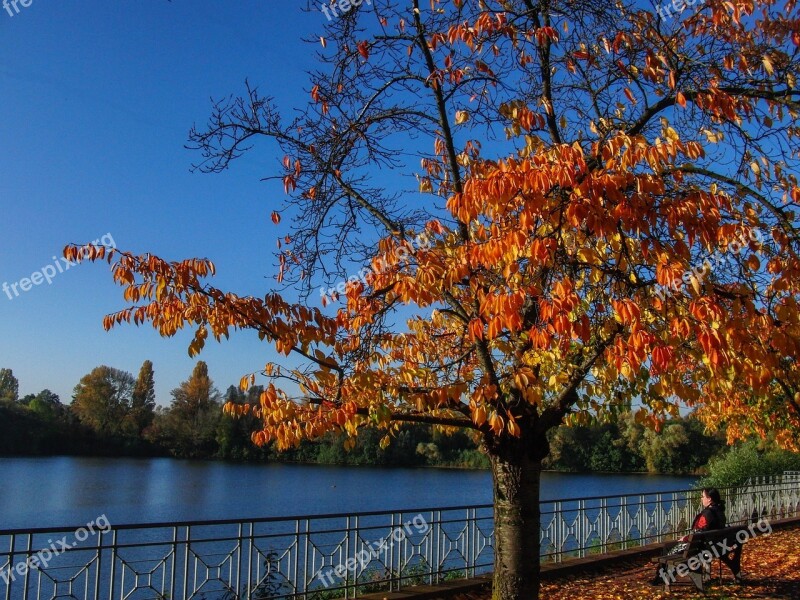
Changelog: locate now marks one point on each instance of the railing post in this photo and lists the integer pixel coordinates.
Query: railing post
(306, 575)
(469, 556)
(185, 562)
(603, 525)
(238, 554)
(250, 560)
(113, 569)
(10, 582)
(624, 521)
(348, 533)
(296, 552)
(580, 528)
(99, 567)
(641, 517)
(28, 550)
(438, 548)
(660, 516)
(173, 563)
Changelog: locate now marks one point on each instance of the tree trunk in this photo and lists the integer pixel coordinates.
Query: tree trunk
(516, 473)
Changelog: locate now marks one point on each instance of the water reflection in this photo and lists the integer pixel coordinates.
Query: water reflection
(58, 491)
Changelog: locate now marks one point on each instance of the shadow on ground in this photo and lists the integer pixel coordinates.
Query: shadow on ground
(770, 567)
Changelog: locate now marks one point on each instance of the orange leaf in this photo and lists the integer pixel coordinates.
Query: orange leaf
(629, 96)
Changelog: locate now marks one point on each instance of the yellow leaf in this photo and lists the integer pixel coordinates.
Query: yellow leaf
(479, 416)
(671, 134)
(695, 283)
(462, 116)
(767, 65)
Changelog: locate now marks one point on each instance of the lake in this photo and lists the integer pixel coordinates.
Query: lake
(67, 491)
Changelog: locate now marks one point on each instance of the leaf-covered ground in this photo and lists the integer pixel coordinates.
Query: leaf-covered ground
(770, 568)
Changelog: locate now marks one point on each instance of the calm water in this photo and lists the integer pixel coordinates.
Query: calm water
(61, 491)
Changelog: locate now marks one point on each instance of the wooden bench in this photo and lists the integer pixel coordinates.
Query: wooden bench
(701, 549)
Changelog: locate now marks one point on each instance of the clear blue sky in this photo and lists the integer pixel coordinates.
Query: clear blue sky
(97, 101)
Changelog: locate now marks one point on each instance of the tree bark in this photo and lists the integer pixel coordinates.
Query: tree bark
(516, 474)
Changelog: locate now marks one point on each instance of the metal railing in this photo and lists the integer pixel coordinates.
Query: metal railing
(316, 557)
(580, 527)
(342, 555)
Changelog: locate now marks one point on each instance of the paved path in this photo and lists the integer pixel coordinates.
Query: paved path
(770, 566)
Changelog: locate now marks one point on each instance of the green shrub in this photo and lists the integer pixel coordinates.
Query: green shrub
(747, 460)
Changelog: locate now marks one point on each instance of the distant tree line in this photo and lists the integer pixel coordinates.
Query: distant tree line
(681, 446)
(114, 413)
(108, 416)
(754, 457)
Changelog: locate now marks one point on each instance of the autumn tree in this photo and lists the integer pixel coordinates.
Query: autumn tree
(189, 427)
(102, 400)
(233, 434)
(606, 210)
(196, 394)
(9, 386)
(143, 399)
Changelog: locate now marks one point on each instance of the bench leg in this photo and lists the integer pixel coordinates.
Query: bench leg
(697, 579)
(734, 562)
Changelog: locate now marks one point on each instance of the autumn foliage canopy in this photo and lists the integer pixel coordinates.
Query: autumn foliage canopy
(605, 219)
(638, 245)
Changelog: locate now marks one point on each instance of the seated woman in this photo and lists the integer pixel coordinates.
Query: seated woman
(713, 514)
(711, 517)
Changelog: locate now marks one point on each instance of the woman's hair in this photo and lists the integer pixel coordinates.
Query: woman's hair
(713, 493)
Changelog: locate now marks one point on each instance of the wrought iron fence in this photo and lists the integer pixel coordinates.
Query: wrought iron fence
(341, 555)
(579, 527)
(319, 557)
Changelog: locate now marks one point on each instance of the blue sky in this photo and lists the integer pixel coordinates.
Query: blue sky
(97, 101)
